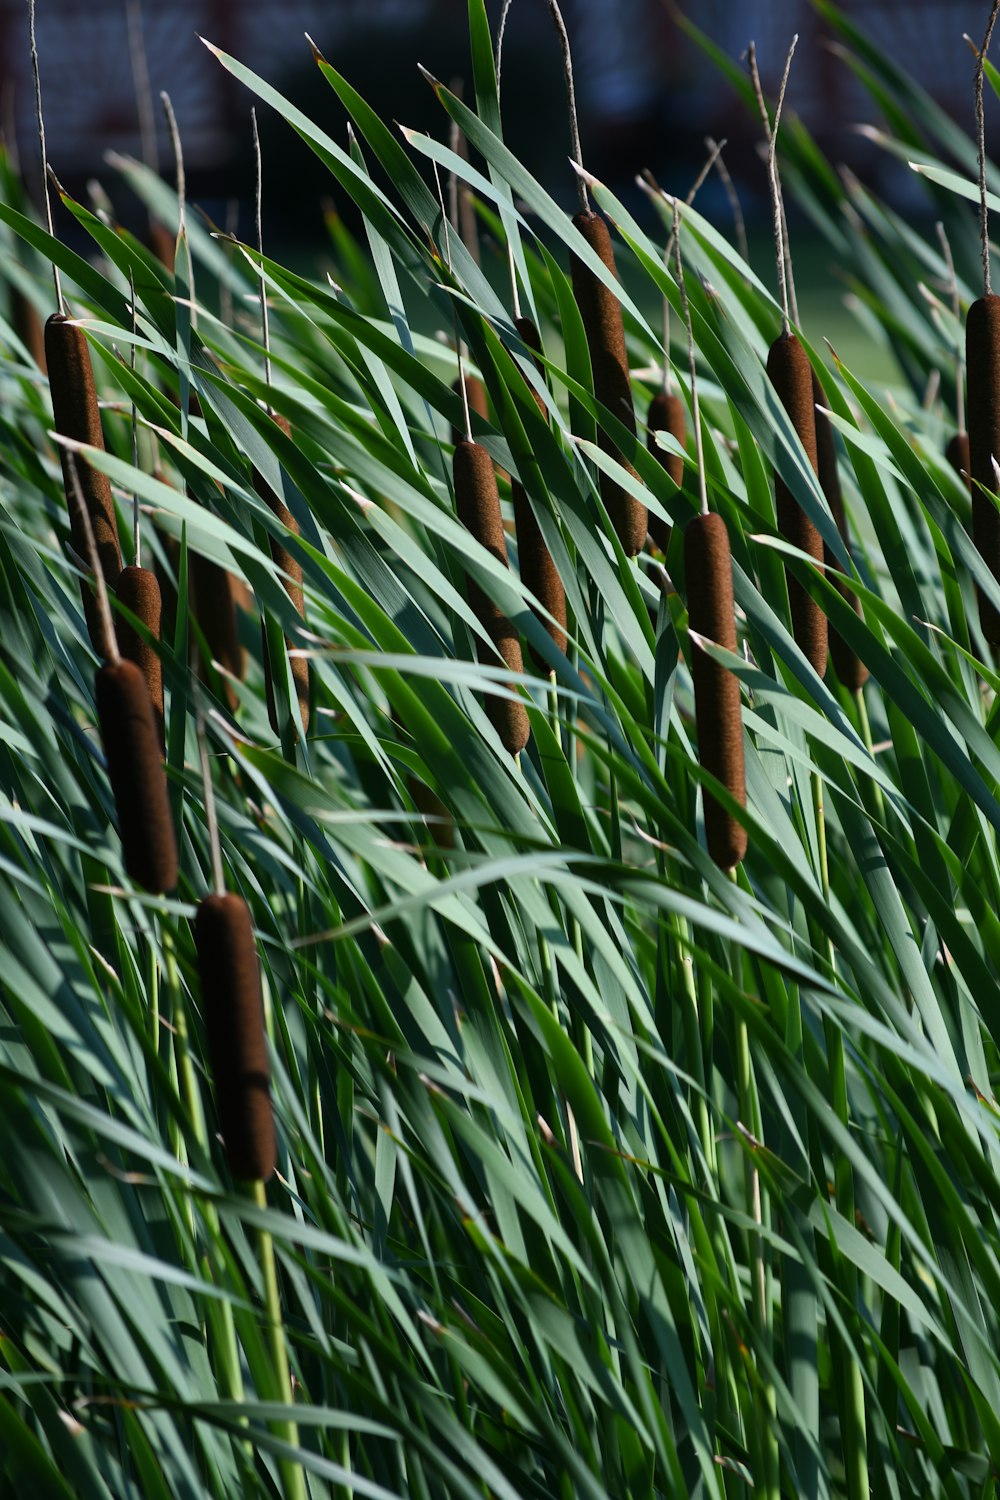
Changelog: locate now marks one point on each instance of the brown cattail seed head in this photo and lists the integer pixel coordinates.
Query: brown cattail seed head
(478, 503)
(601, 312)
(957, 454)
(213, 592)
(711, 613)
(139, 591)
(538, 571)
(982, 355)
(76, 415)
(850, 669)
(791, 375)
(234, 1023)
(666, 414)
(292, 569)
(135, 770)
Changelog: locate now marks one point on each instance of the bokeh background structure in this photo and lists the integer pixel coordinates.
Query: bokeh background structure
(647, 95)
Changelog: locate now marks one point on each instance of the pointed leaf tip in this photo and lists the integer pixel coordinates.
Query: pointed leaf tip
(318, 57)
(428, 76)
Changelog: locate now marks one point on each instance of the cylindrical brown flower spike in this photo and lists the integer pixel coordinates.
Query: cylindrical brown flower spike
(139, 591)
(478, 503)
(666, 414)
(135, 770)
(213, 592)
(538, 572)
(850, 669)
(711, 613)
(77, 416)
(957, 454)
(791, 375)
(234, 1022)
(292, 569)
(982, 354)
(601, 312)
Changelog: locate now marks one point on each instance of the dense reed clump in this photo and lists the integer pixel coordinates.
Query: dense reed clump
(666, 414)
(791, 375)
(77, 416)
(711, 613)
(292, 570)
(982, 353)
(850, 669)
(135, 769)
(139, 591)
(601, 312)
(234, 1023)
(538, 571)
(478, 503)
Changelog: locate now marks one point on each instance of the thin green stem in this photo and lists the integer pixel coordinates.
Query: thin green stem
(291, 1472)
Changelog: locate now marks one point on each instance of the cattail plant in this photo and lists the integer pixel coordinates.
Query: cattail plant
(601, 312)
(666, 409)
(666, 414)
(77, 416)
(538, 571)
(708, 571)
(475, 396)
(711, 613)
(791, 376)
(76, 413)
(138, 589)
(131, 741)
(289, 564)
(957, 448)
(28, 326)
(982, 360)
(212, 594)
(291, 570)
(478, 502)
(229, 971)
(850, 669)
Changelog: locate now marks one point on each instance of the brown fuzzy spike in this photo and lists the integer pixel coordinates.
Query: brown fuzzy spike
(711, 613)
(213, 593)
(790, 373)
(135, 770)
(666, 414)
(292, 569)
(601, 312)
(28, 327)
(957, 454)
(139, 591)
(982, 354)
(76, 415)
(475, 394)
(234, 1023)
(478, 503)
(849, 667)
(538, 572)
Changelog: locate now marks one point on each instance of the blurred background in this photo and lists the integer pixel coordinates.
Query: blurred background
(647, 95)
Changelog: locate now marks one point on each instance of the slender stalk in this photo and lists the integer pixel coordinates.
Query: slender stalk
(291, 1472)
(40, 125)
